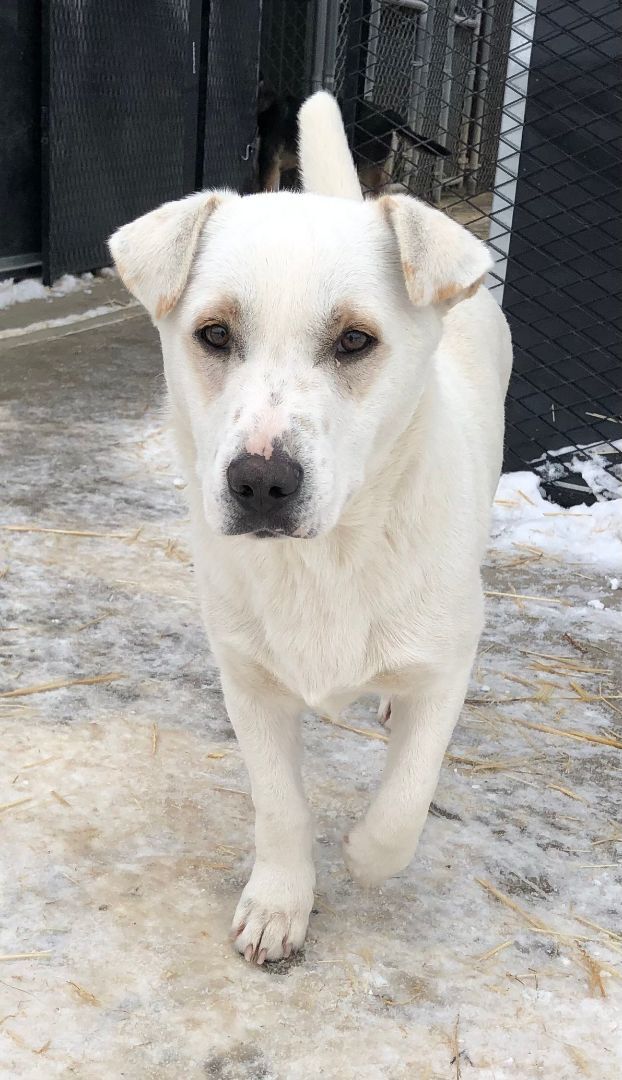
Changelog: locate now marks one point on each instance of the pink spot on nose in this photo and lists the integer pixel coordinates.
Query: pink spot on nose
(260, 444)
(268, 427)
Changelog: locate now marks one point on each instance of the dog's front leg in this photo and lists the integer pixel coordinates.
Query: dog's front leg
(384, 842)
(271, 918)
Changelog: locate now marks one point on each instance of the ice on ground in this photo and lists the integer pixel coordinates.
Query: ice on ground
(127, 828)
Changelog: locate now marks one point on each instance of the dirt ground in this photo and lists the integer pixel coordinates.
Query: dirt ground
(126, 827)
(474, 212)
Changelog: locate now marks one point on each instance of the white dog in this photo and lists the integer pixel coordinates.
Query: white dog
(336, 377)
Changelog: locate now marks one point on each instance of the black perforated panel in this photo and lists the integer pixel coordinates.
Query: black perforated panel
(20, 227)
(231, 93)
(563, 289)
(116, 82)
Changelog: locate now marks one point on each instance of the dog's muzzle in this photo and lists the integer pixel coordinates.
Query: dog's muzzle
(266, 494)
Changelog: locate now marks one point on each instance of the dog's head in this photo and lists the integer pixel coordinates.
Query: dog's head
(297, 333)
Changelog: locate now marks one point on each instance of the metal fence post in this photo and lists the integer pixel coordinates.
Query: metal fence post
(319, 47)
(443, 119)
(330, 46)
(478, 119)
(353, 83)
(508, 154)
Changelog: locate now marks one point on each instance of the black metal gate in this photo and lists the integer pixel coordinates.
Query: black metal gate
(230, 123)
(114, 124)
(142, 102)
(562, 290)
(20, 195)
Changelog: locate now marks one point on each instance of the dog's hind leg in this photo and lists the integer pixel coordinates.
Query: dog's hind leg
(272, 176)
(268, 167)
(384, 842)
(373, 177)
(271, 918)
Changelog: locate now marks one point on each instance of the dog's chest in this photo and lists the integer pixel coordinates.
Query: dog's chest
(326, 631)
(318, 642)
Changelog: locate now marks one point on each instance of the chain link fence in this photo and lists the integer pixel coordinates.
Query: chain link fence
(506, 114)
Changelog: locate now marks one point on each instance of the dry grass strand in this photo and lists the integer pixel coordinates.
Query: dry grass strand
(60, 684)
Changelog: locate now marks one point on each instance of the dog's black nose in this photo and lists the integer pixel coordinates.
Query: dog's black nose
(264, 486)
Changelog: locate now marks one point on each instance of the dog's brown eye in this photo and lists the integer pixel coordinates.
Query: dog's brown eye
(353, 341)
(215, 334)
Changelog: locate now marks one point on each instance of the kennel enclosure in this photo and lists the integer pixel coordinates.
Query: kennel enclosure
(120, 108)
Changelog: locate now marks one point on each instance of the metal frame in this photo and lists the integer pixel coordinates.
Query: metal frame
(511, 138)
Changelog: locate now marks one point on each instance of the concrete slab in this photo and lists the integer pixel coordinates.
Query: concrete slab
(127, 827)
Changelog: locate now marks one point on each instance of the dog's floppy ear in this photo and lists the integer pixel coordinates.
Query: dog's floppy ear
(442, 262)
(154, 253)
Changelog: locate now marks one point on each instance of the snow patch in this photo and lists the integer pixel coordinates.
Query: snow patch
(17, 292)
(592, 467)
(590, 534)
(66, 320)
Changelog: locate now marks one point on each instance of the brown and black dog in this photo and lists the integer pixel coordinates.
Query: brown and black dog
(277, 124)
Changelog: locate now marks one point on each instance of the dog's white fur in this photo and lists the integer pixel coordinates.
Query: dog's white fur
(401, 452)
(326, 164)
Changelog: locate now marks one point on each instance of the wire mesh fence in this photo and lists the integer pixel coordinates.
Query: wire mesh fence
(506, 114)
(287, 44)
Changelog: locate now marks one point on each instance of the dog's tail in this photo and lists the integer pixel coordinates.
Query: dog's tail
(326, 164)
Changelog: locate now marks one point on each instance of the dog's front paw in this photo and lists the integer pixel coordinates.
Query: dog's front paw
(271, 918)
(384, 712)
(371, 861)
